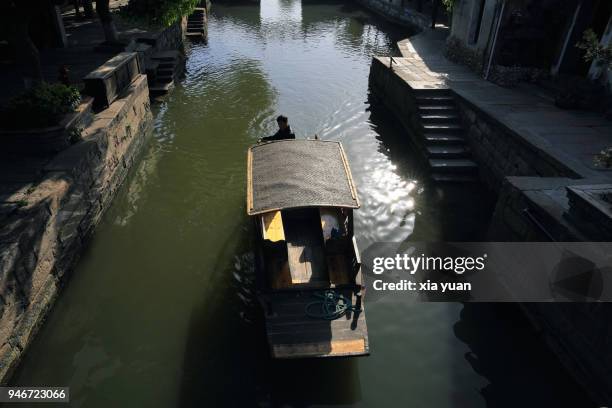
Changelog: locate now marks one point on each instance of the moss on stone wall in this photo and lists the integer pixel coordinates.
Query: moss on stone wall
(457, 52)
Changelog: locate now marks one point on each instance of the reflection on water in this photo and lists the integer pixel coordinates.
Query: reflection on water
(160, 311)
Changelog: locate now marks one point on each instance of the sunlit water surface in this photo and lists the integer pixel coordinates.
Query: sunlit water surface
(159, 311)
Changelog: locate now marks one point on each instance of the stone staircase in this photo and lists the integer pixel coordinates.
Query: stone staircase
(196, 24)
(447, 151)
(166, 68)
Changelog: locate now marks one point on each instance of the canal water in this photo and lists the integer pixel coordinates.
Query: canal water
(160, 313)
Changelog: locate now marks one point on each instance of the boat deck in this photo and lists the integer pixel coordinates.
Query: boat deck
(293, 334)
(305, 253)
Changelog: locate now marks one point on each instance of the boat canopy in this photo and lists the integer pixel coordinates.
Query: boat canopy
(298, 173)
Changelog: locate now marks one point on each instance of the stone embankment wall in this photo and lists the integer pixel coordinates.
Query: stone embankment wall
(500, 152)
(392, 11)
(395, 94)
(532, 205)
(45, 227)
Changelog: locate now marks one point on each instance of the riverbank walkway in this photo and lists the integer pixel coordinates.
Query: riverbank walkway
(571, 137)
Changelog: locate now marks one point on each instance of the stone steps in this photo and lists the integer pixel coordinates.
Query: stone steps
(454, 178)
(437, 110)
(165, 72)
(196, 24)
(164, 80)
(453, 165)
(440, 118)
(160, 89)
(166, 56)
(168, 70)
(452, 128)
(448, 155)
(439, 138)
(435, 100)
(437, 107)
(447, 151)
(166, 65)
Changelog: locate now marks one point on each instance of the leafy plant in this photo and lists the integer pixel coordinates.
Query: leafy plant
(448, 4)
(43, 105)
(160, 12)
(593, 50)
(604, 158)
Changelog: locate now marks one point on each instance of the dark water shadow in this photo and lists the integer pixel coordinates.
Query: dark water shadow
(226, 360)
(506, 350)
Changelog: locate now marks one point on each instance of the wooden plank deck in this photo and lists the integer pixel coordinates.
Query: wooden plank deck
(293, 334)
(306, 254)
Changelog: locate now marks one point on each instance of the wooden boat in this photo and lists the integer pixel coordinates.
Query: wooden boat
(301, 197)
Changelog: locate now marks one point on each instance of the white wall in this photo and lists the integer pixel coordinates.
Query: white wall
(465, 17)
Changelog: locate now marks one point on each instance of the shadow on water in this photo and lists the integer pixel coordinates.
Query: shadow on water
(503, 343)
(222, 343)
(303, 383)
(226, 346)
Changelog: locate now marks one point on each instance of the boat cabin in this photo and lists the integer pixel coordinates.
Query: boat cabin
(301, 197)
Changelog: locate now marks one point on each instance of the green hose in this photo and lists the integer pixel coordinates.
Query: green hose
(332, 305)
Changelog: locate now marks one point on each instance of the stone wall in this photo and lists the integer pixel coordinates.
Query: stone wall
(458, 52)
(578, 333)
(532, 209)
(390, 89)
(45, 226)
(394, 12)
(500, 152)
(532, 205)
(172, 38)
(464, 27)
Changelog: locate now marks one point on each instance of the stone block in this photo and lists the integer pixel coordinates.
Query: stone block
(9, 357)
(31, 319)
(107, 82)
(468, 113)
(9, 256)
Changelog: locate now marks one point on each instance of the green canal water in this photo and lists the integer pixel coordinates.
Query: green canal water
(159, 311)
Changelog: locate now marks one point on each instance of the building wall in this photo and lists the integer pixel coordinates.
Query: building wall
(462, 45)
(465, 22)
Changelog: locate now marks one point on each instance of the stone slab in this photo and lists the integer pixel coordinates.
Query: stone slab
(106, 82)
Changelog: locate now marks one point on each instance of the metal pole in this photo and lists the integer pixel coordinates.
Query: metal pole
(499, 21)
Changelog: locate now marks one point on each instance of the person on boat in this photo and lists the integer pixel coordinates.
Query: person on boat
(284, 130)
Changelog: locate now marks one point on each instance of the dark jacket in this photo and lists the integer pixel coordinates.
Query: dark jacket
(280, 135)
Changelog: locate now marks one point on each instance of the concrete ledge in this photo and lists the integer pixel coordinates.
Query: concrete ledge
(106, 82)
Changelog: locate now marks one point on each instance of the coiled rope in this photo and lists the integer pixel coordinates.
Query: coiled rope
(331, 305)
